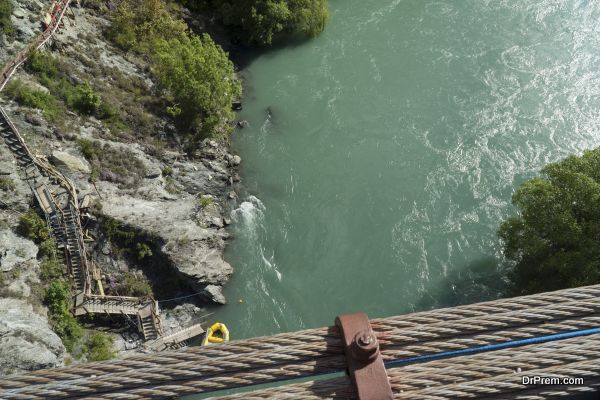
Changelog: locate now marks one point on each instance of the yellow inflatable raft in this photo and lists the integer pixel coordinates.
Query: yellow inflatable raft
(217, 333)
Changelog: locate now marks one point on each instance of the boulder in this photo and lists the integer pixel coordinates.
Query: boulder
(215, 294)
(26, 341)
(72, 163)
(217, 221)
(15, 250)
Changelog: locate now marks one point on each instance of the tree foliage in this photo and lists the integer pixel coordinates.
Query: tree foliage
(200, 77)
(555, 239)
(6, 26)
(99, 347)
(132, 284)
(33, 227)
(65, 325)
(136, 24)
(55, 76)
(259, 22)
(195, 72)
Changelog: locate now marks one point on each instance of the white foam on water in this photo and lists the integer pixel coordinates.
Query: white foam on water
(249, 219)
(250, 215)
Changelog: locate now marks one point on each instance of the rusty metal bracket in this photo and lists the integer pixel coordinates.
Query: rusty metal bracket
(365, 364)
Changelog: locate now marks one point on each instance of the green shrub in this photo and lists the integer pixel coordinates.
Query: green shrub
(193, 70)
(132, 284)
(47, 248)
(44, 65)
(205, 201)
(99, 347)
(200, 76)
(54, 74)
(171, 185)
(57, 298)
(34, 98)
(143, 251)
(51, 269)
(117, 232)
(174, 110)
(6, 26)
(84, 100)
(167, 171)
(33, 227)
(7, 184)
(80, 98)
(57, 294)
(110, 115)
(88, 148)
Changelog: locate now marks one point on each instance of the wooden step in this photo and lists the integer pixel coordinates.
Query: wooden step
(176, 339)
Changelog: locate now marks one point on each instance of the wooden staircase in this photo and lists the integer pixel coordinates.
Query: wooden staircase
(63, 220)
(149, 322)
(76, 257)
(16, 144)
(59, 8)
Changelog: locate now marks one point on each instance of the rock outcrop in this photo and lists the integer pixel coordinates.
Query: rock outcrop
(26, 341)
(67, 162)
(188, 229)
(26, 18)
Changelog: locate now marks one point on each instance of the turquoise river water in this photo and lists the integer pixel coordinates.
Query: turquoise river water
(381, 156)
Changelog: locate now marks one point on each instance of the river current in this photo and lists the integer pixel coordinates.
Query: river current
(380, 157)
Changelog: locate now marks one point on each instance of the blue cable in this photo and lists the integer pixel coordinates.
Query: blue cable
(490, 347)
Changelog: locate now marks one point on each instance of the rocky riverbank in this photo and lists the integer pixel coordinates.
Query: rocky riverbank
(171, 205)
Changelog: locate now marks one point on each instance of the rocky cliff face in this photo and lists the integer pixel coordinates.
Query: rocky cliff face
(27, 18)
(164, 205)
(188, 231)
(139, 176)
(26, 341)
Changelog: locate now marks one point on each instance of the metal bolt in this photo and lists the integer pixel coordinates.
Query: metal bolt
(365, 345)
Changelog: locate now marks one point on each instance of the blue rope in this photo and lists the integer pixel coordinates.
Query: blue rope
(491, 347)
